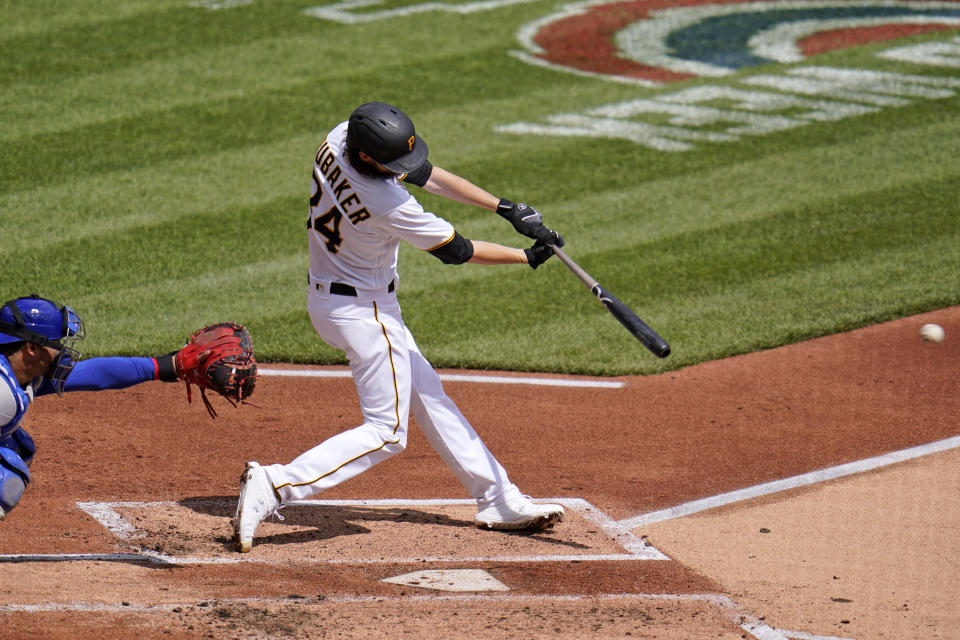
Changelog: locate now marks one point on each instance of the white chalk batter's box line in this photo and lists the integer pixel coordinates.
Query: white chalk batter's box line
(457, 377)
(106, 514)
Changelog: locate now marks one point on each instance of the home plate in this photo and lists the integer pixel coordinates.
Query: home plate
(451, 580)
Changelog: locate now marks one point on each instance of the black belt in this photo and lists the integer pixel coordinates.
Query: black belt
(341, 289)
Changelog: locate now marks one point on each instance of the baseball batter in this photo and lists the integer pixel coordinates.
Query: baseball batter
(359, 213)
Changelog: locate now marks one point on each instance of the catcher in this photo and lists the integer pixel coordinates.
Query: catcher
(38, 356)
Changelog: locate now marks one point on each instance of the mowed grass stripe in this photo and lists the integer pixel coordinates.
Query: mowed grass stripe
(826, 298)
(172, 308)
(40, 17)
(797, 239)
(132, 142)
(165, 32)
(140, 90)
(154, 253)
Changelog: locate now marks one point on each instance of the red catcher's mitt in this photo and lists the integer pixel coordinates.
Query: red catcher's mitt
(219, 357)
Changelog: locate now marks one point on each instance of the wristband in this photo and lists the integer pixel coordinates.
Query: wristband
(166, 368)
(533, 260)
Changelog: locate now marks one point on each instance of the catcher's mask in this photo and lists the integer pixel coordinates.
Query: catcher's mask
(47, 324)
(387, 135)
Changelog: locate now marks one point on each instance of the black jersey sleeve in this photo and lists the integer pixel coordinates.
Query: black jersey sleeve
(420, 175)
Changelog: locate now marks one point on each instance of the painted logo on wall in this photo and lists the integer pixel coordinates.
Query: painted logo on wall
(652, 42)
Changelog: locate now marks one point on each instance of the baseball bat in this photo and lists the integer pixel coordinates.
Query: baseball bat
(640, 329)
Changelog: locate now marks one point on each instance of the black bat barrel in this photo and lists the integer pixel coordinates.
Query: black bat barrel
(640, 329)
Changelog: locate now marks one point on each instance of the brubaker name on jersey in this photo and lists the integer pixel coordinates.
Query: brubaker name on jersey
(326, 164)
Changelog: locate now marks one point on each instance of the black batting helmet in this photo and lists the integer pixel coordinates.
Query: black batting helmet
(386, 134)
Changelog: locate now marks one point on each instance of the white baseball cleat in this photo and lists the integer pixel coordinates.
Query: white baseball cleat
(257, 501)
(516, 511)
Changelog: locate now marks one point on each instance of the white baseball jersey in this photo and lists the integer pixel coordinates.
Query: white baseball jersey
(358, 222)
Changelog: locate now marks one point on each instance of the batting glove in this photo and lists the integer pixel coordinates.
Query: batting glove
(538, 254)
(528, 221)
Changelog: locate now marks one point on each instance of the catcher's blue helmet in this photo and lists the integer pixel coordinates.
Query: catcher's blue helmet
(45, 323)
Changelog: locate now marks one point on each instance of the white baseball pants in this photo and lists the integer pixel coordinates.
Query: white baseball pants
(392, 379)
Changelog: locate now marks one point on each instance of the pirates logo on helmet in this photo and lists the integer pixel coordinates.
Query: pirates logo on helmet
(387, 135)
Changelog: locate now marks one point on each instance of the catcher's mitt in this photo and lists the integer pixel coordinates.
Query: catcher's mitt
(219, 357)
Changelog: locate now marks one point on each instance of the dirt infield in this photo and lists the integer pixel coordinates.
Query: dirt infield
(746, 498)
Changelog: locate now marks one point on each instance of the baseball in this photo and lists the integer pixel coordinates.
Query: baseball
(932, 333)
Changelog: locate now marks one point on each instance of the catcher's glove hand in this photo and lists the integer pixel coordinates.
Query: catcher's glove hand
(219, 357)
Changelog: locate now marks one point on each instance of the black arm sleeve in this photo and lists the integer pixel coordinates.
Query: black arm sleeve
(420, 175)
(456, 250)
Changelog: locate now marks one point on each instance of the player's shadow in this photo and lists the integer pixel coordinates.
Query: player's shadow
(324, 522)
(321, 522)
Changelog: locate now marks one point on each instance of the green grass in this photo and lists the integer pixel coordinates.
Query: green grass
(155, 171)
